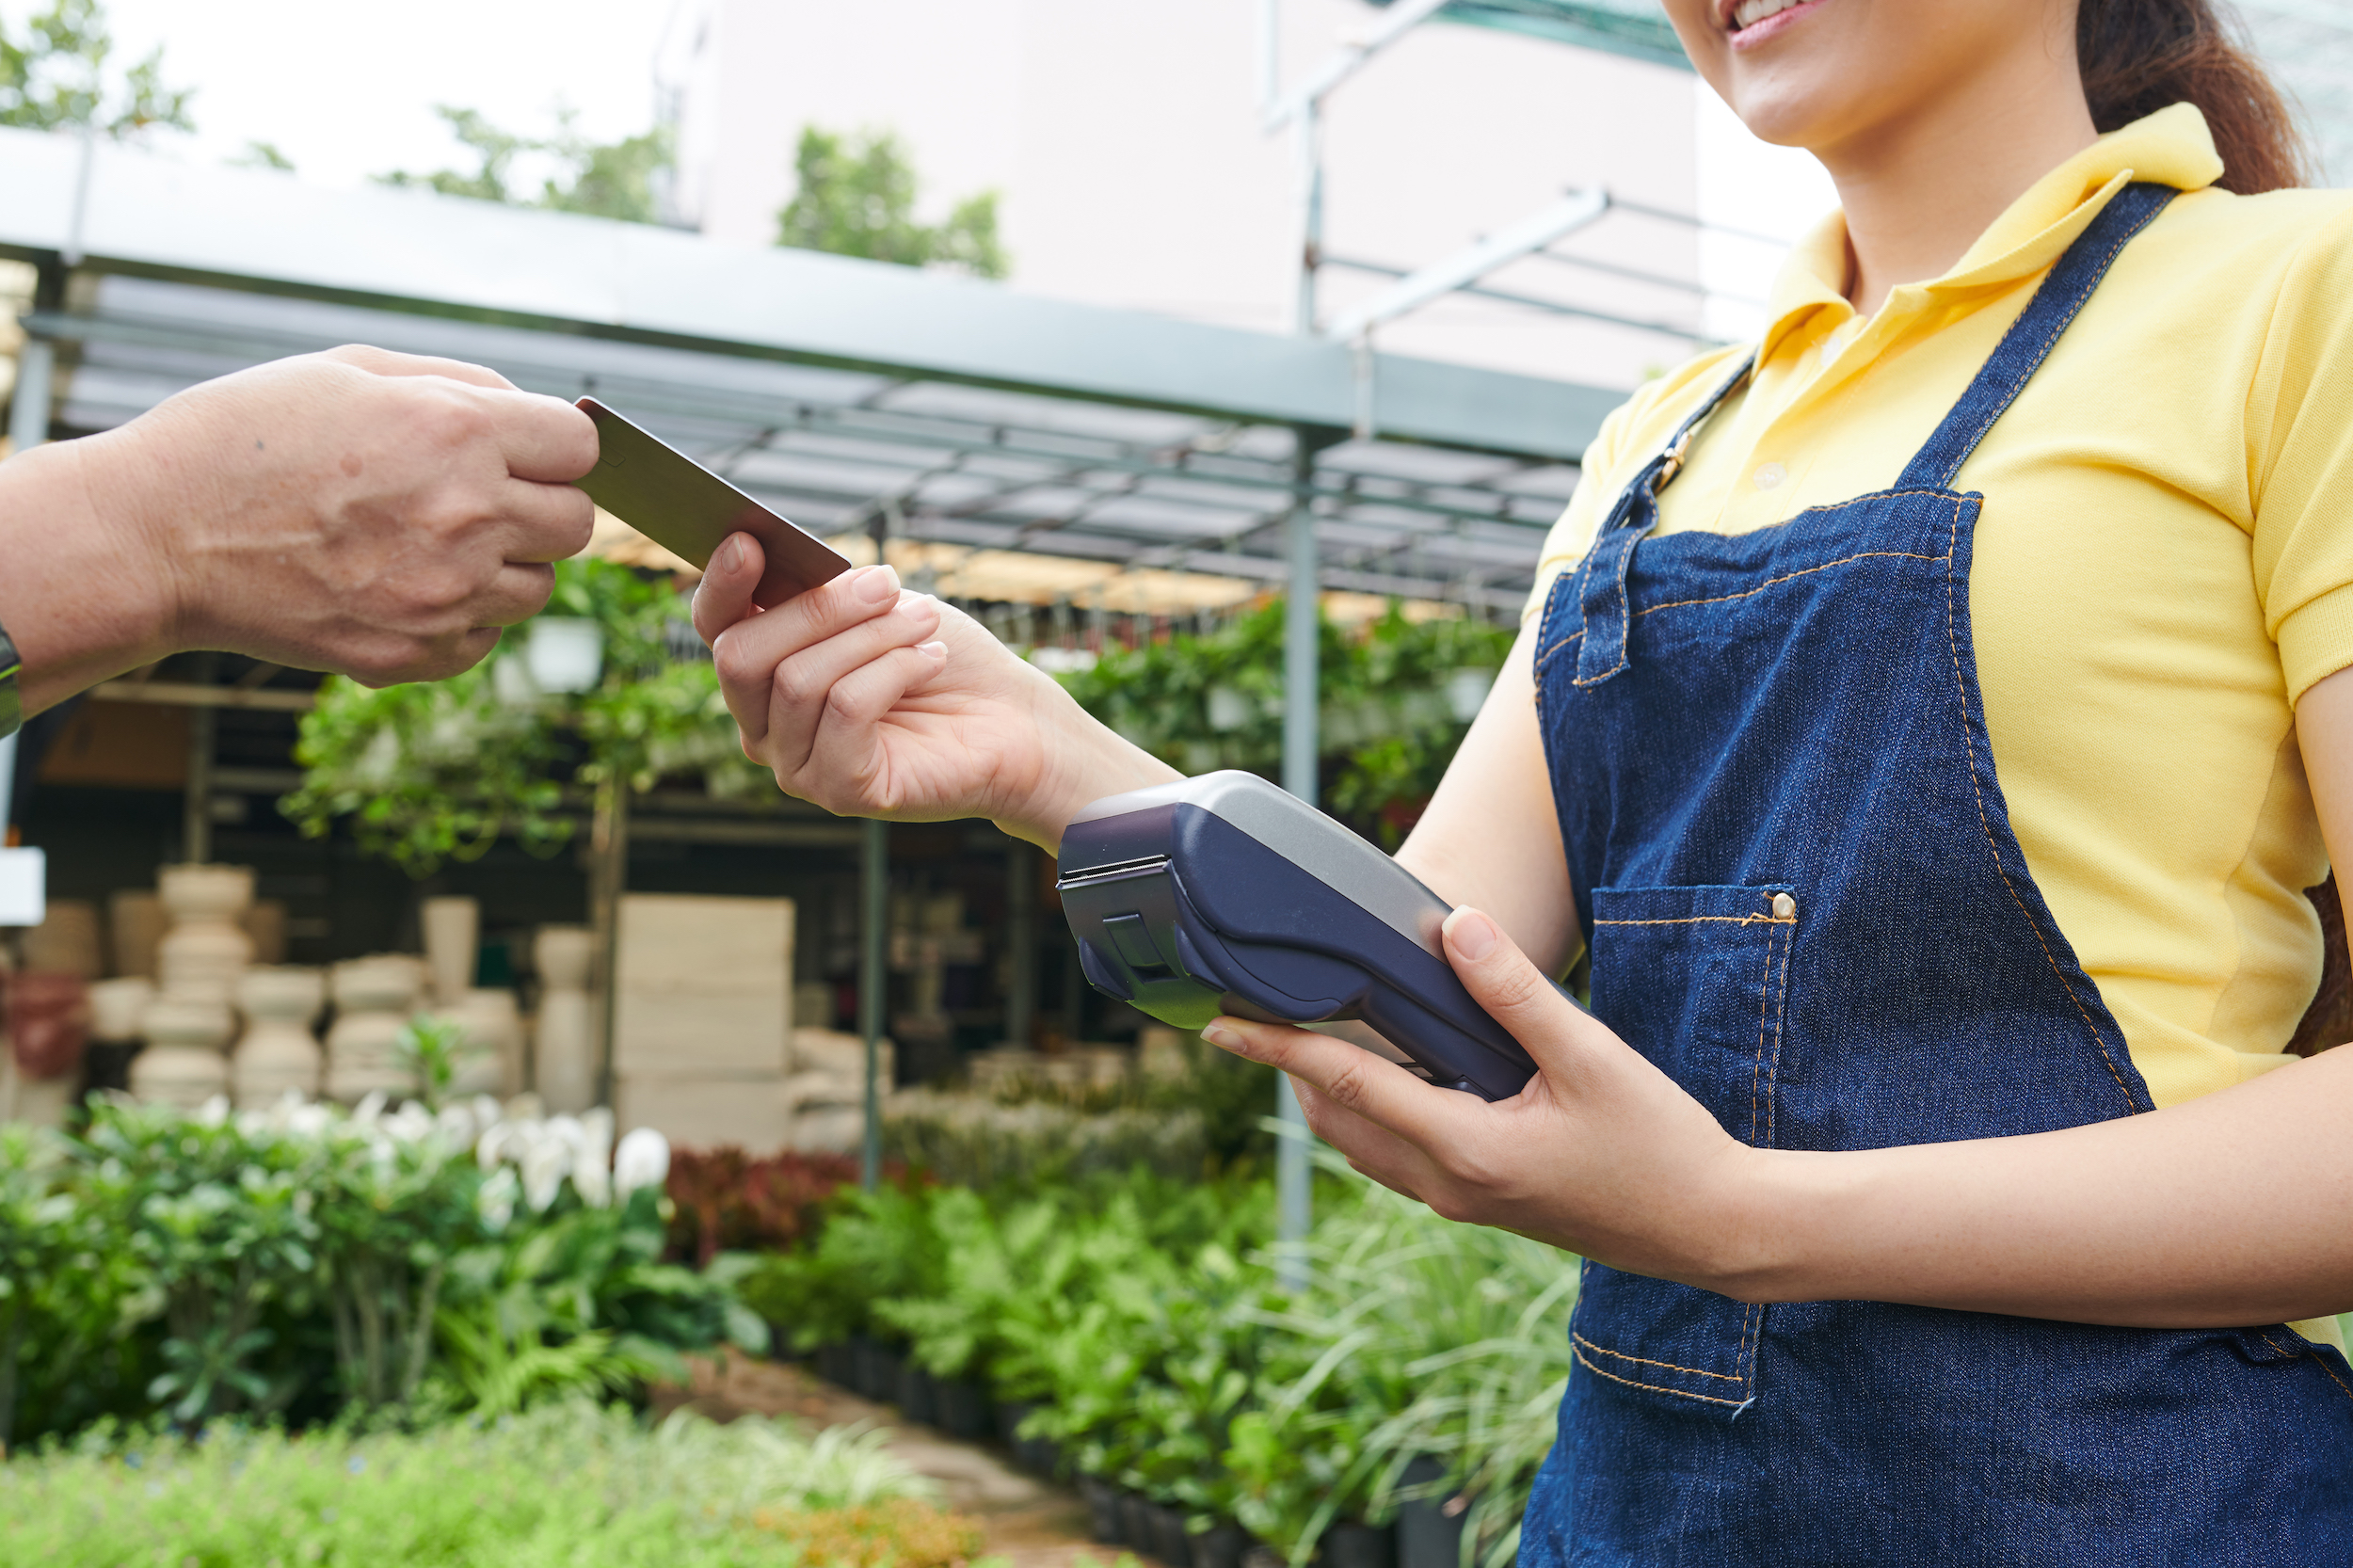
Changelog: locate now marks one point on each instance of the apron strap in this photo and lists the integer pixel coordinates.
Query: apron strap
(2031, 337)
(1601, 581)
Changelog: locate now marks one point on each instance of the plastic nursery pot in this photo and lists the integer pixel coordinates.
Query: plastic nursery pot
(1360, 1545)
(917, 1397)
(877, 1371)
(1428, 1536)
(1137, 1524)
(963, 1407)
(1103, 1521)
(837, 1363)
(1221, 1546)
(1171, 1544)
(1010, 1415)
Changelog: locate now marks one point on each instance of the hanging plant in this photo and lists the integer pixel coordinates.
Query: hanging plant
(1394, 701)
(441, 771)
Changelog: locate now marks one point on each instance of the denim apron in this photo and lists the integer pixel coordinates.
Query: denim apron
(1805, 902)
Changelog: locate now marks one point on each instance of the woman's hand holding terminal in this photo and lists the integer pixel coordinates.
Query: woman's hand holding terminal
(872, 702)
(1602, 1153)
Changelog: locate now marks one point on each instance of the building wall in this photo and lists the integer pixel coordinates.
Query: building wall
(1124, 137)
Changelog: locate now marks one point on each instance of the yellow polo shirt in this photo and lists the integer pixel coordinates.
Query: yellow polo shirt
(2163, 564)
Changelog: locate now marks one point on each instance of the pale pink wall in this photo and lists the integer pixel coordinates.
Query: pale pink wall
(1123, 134)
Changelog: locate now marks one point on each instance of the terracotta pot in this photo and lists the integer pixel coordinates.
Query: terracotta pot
(453, 930)
(66, 941)
(48, 1022)
(265, 920)
(137, 924)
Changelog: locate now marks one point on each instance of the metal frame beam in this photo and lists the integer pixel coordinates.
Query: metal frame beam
(424, 253)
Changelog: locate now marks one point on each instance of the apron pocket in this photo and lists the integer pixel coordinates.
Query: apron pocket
(1695, 978)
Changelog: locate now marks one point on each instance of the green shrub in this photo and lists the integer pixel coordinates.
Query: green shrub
(1141, 1314)
(305, 1262)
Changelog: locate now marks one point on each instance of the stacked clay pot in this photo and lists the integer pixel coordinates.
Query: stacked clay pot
(206, 950)
(188, 1026)
(564, 1039)
(186, 1061)
(374, 999)
(278, 1054)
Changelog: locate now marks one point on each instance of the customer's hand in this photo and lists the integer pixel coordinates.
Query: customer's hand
(1601, 1153)
(872, 702)
(373, 513)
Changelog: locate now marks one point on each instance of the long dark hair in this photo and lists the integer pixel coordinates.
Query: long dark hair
(2140, 56)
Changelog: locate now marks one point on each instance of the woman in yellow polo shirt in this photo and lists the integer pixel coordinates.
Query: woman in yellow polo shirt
(1931, 717)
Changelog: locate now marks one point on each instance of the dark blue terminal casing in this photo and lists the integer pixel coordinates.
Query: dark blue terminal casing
(1225, 894)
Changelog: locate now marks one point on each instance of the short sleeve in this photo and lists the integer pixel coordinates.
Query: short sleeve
(2300, 462)
(1570, 536)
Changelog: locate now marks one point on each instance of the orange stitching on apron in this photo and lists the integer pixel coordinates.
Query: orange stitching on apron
(1952, 637)
(1764, 1013)
(1788, 577)
(1655, 1387)
(1641, 1361)
(1781, 1013)
(1724, 919)
(2299, 1355)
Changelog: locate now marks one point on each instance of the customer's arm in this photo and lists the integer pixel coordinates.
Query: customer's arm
(373, 513)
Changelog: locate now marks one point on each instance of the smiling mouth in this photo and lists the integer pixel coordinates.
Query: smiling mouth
(1741, 15)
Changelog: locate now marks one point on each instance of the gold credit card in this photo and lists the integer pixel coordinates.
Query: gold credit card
(689, 511)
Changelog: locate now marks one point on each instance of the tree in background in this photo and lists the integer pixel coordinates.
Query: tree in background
(618, 180)
(262, 154)
(56, 79)
(856, 198)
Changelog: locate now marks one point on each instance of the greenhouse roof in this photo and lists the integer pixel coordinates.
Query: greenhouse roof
(1143, 449)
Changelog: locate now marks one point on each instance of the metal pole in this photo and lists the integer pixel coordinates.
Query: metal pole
(1021, 944)
(873, 972)
(608, 880)
(873, 975)
(196, 819)
(1300, 686)
(1307, 145)
(29, 411)
(1294, 1173)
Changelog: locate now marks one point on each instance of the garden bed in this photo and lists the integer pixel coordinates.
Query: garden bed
(1127, 1333)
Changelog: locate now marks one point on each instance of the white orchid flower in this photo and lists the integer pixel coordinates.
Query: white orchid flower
(566, 1130)
(641, 1160)
(546, 1161)
(411, 1124)
(495, 1200)
(496, 1141)
(591, 1181)
(456, 1127)
(592, 1169)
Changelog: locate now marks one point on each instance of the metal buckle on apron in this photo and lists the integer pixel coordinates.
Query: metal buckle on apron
(1601, 588)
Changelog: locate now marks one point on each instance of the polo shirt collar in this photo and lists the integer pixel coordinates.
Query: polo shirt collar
(2171, 146)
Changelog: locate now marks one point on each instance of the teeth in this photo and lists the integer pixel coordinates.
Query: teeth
(1748, 13)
